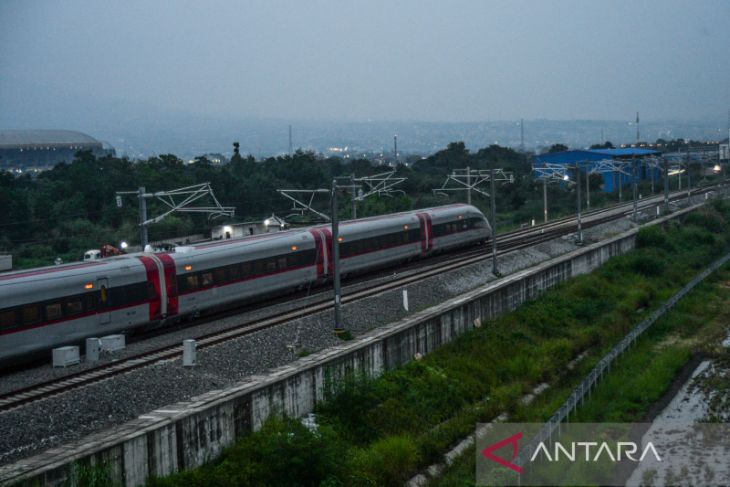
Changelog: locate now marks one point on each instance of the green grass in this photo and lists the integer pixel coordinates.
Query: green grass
(383, 431)
(639, 378)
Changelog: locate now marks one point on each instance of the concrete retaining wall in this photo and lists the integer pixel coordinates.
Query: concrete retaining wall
(187, 434)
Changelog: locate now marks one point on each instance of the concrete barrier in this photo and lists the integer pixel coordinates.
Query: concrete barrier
(187, 434)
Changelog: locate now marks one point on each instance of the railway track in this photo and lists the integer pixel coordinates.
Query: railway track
(507, 242)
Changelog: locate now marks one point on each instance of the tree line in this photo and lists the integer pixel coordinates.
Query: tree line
(62, 212)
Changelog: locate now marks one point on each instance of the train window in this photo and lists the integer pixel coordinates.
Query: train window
(90, 302)
(220, 275)
(137, 293)
(117, 296)
(281, 263)
(103, 295)
(307, 257)
(259, 267)
(31, 314)
(8, 318)
(191, 281)
(206, 279)
(53, 311)
(234, 272)
(74, 306)
(371, 244)
(246, 268)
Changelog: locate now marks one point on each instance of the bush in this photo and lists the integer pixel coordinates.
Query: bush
(653, 237)
(283, 452)
(389, 461)
(707, 218)
(647, 265)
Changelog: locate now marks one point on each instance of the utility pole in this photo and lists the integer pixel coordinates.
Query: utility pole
(522, 135)
(580, 223)
(291, 145)
(143, 240)
(354, 197)
(679, 172)
(635, 187)
(620, 187)
(544, 200)
(468, 184)
(339, 327)
(395, 148)
(666, 185)
(637, 129)
(689, 181)
(588, 190)
(652, 168)
(548, 171)
(493, 198)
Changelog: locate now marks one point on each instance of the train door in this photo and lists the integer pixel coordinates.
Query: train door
(426, 234)
(102, 284)
(170, 283)
(157, 293)
(328, 251)
(320, 257)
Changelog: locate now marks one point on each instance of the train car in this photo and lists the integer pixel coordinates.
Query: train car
(219, 273)
(43, 308)
(49, 307)
(455, 226)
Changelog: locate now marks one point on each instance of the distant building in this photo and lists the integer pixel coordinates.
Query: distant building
(590, 159)
(215, 158)
(43, 149)
(237, 230)
(724, 152)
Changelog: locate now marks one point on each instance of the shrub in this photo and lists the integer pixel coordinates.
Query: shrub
(707, 218)
(389, 461)
(653, 236)
(283, 452)
(646, 264)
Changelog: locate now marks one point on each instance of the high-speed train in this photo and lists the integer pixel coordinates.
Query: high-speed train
(52, 306)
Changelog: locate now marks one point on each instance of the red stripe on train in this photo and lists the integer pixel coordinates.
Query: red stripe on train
(153, 277)
(319, 248)
(173, 306)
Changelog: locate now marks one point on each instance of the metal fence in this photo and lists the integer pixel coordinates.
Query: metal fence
(583, 390)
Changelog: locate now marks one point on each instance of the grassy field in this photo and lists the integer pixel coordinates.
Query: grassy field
(382, 431)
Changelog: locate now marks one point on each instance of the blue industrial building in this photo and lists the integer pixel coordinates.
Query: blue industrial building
(590, 159)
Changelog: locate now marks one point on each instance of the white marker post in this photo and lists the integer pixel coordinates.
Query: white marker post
(405, 299)
(189, 353)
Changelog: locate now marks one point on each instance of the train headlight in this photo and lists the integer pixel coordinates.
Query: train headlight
(188, 267)
(89, 286)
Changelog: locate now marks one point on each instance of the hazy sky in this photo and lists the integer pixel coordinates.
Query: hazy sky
(387, 60)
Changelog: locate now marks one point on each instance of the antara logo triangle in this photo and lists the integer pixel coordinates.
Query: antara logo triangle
(513, 440)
